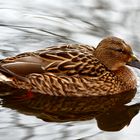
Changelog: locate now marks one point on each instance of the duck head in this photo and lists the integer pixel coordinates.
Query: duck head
(114, 53)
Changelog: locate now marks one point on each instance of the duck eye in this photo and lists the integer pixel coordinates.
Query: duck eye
(119, 50)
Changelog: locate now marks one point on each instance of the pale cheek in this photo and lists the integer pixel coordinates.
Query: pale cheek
(117, 56)
(126, 59)
(129, 59)
(117, 65)
(123, 58)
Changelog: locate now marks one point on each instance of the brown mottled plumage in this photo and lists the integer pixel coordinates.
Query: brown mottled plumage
(74, 70)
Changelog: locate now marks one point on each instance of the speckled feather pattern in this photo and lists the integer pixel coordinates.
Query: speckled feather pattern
(70, 70)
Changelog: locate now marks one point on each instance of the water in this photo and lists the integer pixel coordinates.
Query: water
(27, 25)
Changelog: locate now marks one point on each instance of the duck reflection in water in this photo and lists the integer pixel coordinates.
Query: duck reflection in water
(110, 111)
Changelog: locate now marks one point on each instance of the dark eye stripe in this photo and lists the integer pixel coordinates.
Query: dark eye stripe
(117, 49)
(121, 51)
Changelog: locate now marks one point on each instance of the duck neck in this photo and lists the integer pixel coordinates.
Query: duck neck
(127, 77)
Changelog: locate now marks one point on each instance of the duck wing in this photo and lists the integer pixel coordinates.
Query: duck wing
(62, 60)
(58, 70)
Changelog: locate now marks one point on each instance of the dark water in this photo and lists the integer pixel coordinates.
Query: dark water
(27, 25)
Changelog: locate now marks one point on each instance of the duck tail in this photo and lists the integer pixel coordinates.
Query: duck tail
(7, 75)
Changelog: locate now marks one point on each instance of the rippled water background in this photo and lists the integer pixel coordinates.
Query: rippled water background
(27, 25)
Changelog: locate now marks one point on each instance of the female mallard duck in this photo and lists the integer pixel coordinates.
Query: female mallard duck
(74, 70)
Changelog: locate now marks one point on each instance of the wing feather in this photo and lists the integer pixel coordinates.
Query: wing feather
(60, 60)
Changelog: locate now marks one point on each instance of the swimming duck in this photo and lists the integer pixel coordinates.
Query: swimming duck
(74, 69)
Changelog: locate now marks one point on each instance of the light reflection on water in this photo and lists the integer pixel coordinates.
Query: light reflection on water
(29, 25)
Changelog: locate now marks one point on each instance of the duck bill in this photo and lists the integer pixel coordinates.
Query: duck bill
(134, 62)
